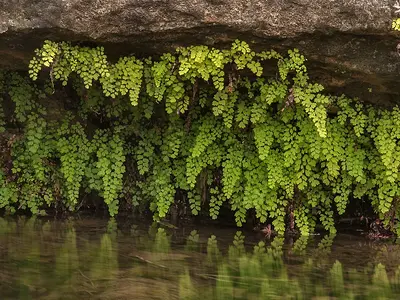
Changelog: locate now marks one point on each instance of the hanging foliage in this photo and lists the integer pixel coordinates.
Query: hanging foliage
(202, 126)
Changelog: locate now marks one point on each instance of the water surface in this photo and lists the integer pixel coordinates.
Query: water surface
(96, 259)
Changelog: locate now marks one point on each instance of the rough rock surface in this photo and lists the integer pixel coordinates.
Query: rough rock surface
(349, 43)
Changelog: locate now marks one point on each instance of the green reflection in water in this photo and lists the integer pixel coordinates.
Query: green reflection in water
(53, 260)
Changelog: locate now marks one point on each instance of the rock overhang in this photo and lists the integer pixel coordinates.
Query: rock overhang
(349, 45)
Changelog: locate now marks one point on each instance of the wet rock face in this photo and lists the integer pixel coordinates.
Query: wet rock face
(349, 43)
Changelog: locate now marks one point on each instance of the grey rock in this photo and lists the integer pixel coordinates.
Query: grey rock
(349, 43)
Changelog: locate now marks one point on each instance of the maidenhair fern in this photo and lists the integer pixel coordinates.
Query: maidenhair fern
(204, 127)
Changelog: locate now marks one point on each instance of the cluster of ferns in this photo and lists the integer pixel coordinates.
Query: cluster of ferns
(202, 126)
